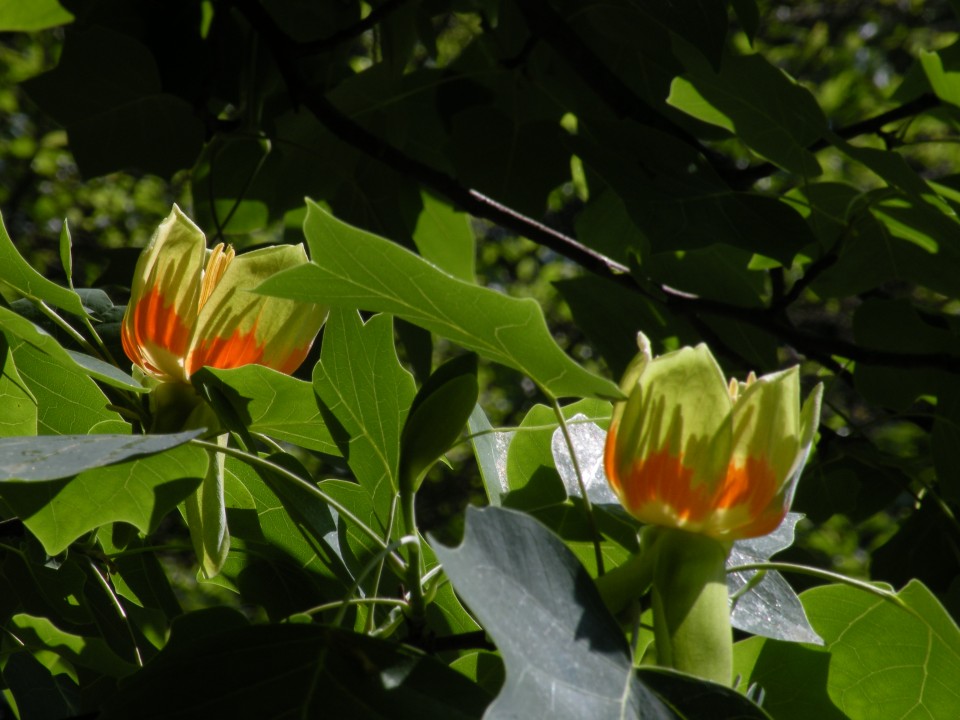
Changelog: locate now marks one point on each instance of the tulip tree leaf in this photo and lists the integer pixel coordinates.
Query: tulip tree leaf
(38, 692)
(18, 407)
(61, 456)
(361, 386)
(69, 402)
(770, 608)
(23, 330)
(275, 404)
(138, 491)
(566, 657)
(490, 446)
(443, 236)
(18, 274)
(293, 670)
(356, 269)
(16, 16)
(877, 656)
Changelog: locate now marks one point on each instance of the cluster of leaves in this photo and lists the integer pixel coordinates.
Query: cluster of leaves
(773, 180)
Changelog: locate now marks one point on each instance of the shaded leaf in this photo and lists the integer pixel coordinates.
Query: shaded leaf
(270, 402)
(51, 458)
(564, 653)
(293, 670)
(140, 491)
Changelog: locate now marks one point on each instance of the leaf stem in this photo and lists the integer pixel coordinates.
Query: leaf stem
(342, 509)
(588, 506)
(824, 575)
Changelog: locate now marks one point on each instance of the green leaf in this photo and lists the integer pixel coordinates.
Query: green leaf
(18, 16)
(677, 200)
(490, 447)
(945, 83)
(361, 270)
(19, 328)
(362, 388)
(18, 407)
(140, 491)
(68, 401)
(768, 110)
(284, 550)
(561, 647)
(444, 237)
(270, 402)
(17, 273)
(40, 635)
(514, 161)
(531, 469)
(440, 409)
(107, 92)
(695, 699)
(224, 198)
(293, 670)
(879, 658)
(52, 458)
(38, 692)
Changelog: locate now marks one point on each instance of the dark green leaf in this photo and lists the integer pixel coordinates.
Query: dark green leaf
(294, 670)
(51, 458)
(439, 412)
(564, 653)
(39, 693)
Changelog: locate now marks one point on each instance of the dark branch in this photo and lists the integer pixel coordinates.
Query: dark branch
(377, 14)
(772, 321)
(747, 177)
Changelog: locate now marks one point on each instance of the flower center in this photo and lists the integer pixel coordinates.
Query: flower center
(217, 265)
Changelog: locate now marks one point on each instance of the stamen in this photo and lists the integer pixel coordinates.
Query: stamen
(217, 265)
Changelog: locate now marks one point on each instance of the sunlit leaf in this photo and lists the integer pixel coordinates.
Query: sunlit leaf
(355, 269)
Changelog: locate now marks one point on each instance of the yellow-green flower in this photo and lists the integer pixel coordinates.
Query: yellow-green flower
(690, 451)
(190, 307)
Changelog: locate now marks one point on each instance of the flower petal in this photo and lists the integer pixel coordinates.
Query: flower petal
(237, 327)
(162, 312)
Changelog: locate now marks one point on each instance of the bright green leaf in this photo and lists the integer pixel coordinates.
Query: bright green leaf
(17, 273)
(362, 388)
(19, 16)
(355, 269)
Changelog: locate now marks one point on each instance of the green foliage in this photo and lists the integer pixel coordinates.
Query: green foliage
(500, 195)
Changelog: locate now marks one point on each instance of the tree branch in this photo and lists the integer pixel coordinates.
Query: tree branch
(772, 321)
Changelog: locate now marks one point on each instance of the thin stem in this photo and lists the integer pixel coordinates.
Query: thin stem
(119, 608)
(397, 602)
(588, 506)
(380, 559)
(823, 575)
(342, 509)
(67, 328)
(373, 563)
(417, 605)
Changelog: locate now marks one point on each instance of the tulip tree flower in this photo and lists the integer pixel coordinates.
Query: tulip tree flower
(191, 307)
(703, 462)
